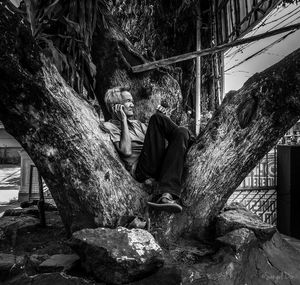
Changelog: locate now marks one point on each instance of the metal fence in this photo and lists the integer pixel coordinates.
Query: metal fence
(258, 190)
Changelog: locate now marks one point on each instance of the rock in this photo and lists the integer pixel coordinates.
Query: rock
(33, 211)
(242, 218)
(117, 255)
(59, 262)
(37, 259)
(235, 206)
(239, 239)
(11, 226)
(191, 254)
(274, 262)
(164, 276)
(132, 222)
(262, 263)
(50, 279)
(7, 262)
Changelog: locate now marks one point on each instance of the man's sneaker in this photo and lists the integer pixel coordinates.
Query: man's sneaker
(166, 203)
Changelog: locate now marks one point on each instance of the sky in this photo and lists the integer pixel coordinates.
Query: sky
(279, 17)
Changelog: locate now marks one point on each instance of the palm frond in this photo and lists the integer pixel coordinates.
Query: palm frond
(64, 30)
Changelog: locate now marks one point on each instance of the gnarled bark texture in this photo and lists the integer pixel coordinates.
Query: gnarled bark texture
(60, 131)
(113, 56)
(247, 125)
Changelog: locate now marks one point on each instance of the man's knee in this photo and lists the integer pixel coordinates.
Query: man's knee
(157, 119)
(183, 133)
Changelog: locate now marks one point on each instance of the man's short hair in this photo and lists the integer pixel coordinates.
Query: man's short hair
(114, 96)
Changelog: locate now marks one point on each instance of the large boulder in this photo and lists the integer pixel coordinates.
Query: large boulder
(257, 262)
(117, 255)
(236, 217)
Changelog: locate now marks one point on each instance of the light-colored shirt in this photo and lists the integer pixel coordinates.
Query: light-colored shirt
(137, 132)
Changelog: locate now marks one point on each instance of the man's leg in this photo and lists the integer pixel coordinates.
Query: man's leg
(170, 179)
(166, 165)
(160, 129)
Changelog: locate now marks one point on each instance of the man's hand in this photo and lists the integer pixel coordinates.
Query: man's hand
(166, 111)
(118, 110)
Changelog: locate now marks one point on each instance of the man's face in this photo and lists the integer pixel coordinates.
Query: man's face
(127, 101)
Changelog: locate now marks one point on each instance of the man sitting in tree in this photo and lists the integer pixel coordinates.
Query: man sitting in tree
(143, 148)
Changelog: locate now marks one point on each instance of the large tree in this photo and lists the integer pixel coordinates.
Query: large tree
(59, 128)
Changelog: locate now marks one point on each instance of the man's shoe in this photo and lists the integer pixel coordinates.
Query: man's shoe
(166, 203)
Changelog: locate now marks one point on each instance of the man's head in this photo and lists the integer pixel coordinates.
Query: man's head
(119, 95)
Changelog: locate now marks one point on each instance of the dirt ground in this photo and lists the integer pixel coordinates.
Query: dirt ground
(40, 240)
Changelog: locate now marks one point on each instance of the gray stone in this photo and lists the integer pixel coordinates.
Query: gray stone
(239, 239)
(33, 211)
(11, 226)
(117, 255)
(235, 206)
(242, 218)
(59, 262)
(37, 259)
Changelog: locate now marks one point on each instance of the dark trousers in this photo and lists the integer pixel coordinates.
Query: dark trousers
(165, 164)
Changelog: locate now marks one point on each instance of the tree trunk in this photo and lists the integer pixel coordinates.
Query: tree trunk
(60, 131)
(113, 56)
(247, 125)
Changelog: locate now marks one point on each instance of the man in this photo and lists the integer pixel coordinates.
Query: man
(143, 149)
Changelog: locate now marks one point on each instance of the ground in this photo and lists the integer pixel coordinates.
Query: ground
(40, 240)
(34, 244)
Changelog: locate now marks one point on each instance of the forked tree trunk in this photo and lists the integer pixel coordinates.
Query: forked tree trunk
(60, 131)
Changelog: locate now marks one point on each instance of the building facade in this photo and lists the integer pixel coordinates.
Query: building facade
(9, 148)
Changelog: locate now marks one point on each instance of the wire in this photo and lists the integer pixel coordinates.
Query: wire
(268, 16)
(240, 49)
(278, 19)
(261, 51)
(268, 45)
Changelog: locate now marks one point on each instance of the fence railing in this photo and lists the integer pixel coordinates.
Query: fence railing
(258, 190)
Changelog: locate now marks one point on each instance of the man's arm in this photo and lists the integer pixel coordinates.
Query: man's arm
(124, 145)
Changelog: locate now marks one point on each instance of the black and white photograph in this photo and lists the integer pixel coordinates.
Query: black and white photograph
(150, 142)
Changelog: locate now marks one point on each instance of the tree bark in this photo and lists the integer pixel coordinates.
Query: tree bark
(114, 56)
(60, 131)
(247, 125)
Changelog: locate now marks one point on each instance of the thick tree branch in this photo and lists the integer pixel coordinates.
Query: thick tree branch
(247, 125)
(60, 131)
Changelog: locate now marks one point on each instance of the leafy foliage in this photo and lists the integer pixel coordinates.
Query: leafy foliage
(155, 27)
(165, 28)
(64, 30)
